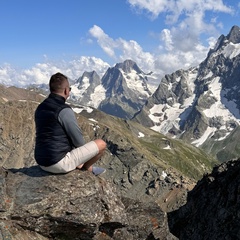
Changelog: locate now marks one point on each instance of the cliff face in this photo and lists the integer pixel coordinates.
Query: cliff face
(212, 210)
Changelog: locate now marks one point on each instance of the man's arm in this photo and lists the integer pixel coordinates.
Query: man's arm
(68, 120)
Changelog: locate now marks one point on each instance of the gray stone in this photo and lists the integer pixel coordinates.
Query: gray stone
(77, 205)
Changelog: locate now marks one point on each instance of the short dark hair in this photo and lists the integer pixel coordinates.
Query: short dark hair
(56, 82)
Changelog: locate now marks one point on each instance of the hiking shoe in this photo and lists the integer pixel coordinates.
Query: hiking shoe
(98, 170)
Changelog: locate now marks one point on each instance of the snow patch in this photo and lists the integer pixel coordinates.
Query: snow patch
(163, 175)
(83, 108)
(209, 75)
(222, 138)
(231, 50)
(135, 82)
(98, 96)
(167, 147)
(219, 107)
(207, 134)
(93, 120)
(140, 135)
(165, 117)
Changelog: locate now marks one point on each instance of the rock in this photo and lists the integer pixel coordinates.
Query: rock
(212, 210)
(77, 205)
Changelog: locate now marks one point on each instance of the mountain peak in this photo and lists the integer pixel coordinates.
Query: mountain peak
(128, 65)
(90, 74)
(234, 35)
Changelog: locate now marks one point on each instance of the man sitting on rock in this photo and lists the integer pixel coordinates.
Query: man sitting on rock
(60, 146)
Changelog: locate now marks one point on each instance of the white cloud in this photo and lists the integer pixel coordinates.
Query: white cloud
(174, 55)
(154, 7)
(42, 72)
(132, 50)
(166, 36)
(176, 8)
(103, 39)
(180, 43)
(127, 49)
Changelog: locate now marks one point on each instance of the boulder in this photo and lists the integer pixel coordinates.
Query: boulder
(38, 205)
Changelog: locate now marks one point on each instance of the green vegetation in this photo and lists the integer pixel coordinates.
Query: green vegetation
(190, 161)
(160, 150)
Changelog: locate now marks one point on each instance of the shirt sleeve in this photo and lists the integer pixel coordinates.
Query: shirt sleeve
(68, 120)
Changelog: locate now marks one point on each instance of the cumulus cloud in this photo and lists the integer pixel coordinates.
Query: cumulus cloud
(175, 8)
(186, 19)
(106, 43)
(166, 36)
(126, 49)
(153, 7)
(172, 57)
(180, 43)
(41, 72)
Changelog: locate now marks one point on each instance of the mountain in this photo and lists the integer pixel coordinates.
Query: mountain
(139, 161)
(87, 89)
(121, 92)
(155, 187)
(201, 105)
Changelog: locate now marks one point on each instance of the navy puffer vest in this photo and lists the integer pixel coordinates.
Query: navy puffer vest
(52, 143)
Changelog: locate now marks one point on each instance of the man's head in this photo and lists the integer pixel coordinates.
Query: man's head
(59, 84)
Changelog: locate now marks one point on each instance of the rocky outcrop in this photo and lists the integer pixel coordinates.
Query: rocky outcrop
(77, 205)
(212, 208)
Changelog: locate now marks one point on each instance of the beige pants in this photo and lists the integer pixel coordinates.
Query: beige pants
(74, 158)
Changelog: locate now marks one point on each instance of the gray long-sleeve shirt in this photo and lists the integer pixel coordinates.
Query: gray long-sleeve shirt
(68, 120)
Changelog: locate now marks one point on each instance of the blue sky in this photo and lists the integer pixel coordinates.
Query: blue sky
(41, 37)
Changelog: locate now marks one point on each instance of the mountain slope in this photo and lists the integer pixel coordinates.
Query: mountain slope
(199, 105)
(141, 163)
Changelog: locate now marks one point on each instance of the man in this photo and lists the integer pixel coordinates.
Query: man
(60, 146)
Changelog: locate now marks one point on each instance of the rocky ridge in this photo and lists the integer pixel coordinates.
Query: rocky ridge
(135, 164)
(147, 176)
(212, 210)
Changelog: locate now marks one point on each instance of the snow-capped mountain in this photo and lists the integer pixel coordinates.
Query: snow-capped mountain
(88, 89)
(122, 91)
(200, 105)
